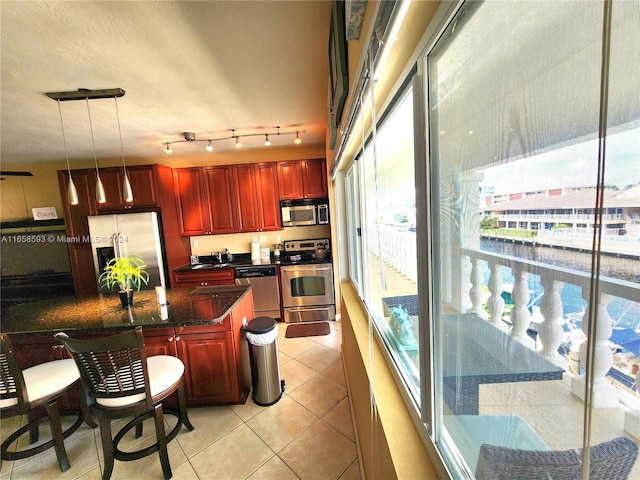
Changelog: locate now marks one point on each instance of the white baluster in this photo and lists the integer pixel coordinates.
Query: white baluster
(476, 294)
(605, 395)
(495, 304)
(520, 316)
(550, 330)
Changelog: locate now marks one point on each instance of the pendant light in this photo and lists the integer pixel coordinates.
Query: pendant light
(72, 193)
(209, 147)
(266, 140)
(127, 193)
(297, 141)
(100, 196)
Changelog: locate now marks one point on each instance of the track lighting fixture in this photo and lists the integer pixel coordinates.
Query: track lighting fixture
(86, 94)
(191, 137)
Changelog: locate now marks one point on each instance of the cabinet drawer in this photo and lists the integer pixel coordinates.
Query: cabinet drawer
(223, 276)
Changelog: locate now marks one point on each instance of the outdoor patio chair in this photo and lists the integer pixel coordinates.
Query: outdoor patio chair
(612, 460)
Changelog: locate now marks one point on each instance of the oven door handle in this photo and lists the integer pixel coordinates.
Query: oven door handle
(298, 268)
(307, 309)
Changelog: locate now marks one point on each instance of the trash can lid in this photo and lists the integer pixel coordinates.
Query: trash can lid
(261, 325)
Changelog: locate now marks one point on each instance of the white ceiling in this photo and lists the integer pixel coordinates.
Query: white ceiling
(204, 67)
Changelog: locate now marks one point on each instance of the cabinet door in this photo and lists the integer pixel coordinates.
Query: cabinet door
(112, 182)
(193, 214)
(247, 197)
(77, 228)
(143, 185)
(210, 369)
(221, 199)
(160, 341)
(314, 178)
(290, 180)
(268, 196)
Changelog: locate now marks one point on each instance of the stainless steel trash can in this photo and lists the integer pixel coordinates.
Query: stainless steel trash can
(262, 338)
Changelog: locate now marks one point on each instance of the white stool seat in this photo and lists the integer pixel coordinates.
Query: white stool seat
(164, 372)
(46, 379)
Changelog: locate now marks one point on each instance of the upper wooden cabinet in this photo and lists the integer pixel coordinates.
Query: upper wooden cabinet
(221, 199)
(205, 198)
(257, 197)
(143, 185)
(302, 179)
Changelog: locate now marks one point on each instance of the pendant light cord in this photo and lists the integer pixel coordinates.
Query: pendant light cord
(124, 167)
(64, 139)
(93, 143)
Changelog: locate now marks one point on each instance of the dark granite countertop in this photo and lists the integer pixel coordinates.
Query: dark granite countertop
(186, 307)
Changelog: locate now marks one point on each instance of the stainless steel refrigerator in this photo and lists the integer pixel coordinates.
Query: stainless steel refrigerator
(128, 234)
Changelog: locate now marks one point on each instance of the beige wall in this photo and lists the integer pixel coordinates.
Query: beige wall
(389, 443)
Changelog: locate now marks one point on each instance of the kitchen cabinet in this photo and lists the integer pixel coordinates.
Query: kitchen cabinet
(299, 179)
(143, 185)
(257, 197)
(203, 278)
(221, 199)
(77, 229)
(215, 356)
(206, 201)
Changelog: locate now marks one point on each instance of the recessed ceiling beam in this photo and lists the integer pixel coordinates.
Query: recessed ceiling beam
(85, 93)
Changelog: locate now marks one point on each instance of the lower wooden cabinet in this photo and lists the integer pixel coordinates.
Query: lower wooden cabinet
(215, 357)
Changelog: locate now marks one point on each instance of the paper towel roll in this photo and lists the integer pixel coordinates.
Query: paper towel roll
(255, 251)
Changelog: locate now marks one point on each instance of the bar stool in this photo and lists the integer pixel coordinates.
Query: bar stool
(22, 391)
(123, 382)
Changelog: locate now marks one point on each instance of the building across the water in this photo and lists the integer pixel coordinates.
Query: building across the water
(571, 209)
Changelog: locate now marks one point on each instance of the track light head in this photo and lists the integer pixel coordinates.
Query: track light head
(209, 147)
(266, 140)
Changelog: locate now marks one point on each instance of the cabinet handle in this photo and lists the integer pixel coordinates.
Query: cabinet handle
(171, 339)
(177, 338)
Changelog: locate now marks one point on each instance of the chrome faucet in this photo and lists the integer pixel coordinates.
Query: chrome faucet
(229, 255)
(217, 255)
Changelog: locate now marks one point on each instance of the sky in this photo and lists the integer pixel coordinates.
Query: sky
(570, 166)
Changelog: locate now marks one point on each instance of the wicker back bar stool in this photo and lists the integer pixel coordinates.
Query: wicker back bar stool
(123, 382)
(43, 385)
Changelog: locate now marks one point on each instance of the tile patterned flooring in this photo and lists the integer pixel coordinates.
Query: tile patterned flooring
(308, 434)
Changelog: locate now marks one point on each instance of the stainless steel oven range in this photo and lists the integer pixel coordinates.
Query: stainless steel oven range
(307, 282)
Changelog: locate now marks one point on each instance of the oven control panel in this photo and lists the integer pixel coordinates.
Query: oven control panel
(306, 245)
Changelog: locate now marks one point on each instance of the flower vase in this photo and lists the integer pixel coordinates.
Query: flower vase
(126, 298)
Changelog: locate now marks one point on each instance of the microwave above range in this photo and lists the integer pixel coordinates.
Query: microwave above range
(297, 213)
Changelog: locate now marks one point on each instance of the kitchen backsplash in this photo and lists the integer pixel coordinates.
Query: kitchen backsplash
(241, 242)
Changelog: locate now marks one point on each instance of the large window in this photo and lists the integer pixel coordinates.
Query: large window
(522, 329)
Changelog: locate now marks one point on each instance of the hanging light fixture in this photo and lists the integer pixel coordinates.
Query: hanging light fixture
(100, 196)
(167, 149)
(266, 140)
(297, 141)
(72, 193)
(86, 94)
(209, 148)
(127, 193)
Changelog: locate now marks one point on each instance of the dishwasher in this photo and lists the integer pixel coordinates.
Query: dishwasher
(264, 284)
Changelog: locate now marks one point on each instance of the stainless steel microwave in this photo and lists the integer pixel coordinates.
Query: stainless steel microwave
(296, 213)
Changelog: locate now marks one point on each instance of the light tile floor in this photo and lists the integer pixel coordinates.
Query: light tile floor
(308, 434)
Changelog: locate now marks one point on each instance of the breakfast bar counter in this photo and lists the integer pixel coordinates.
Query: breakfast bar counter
(185, 307)
(202, 326)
